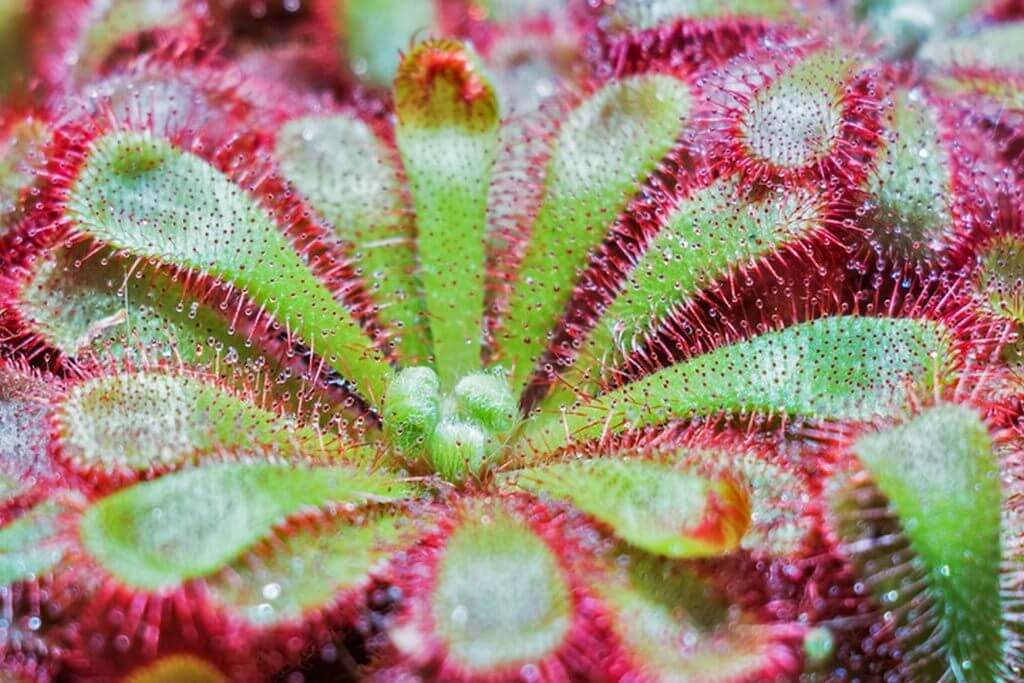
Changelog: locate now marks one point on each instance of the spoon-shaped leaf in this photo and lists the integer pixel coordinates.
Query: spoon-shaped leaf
(447, 134)
(843, 367)
(146, 197)
(605, 148)
(192, 523)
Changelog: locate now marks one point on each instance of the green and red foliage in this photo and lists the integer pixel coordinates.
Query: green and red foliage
(481, 340)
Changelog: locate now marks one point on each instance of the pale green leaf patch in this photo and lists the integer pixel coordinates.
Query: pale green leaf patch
(31, 545)
(305, 568)
(940, 475)
(447, 134)
(908, 193)
(352, 179)
(192, 523)
(677, 628)
(501, 599)
(999, 46)
(144, 196)
(841, 367)
(374, 32)
(645, 14)
(650, 505)
(713, 232)
(142, 421)
(603, 151)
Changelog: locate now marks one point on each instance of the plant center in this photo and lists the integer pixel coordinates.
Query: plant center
(457, 434)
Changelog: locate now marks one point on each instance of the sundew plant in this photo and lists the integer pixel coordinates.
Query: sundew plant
(512, 340)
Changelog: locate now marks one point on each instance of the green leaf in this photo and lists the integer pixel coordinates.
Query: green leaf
(30, 546)
(101, 306)
(141, 421)
(677, 629)
(605, 149)
(412, 409)
(843, 367)
(24, 432)
(908, 195)
(780, 522)
(904, 24)
(940, 475)
(795, 121)
(999, 46)
(304, 568)
(21, 156)
(352, 180)
(455, 433)
(142, 195)
(650, 505)
(645, 14)
(1001, 90)
(193, 523)
(1000, 277)
(447, 134)
(708, 235)
(106, 24)
(500, 598)
(374, 32)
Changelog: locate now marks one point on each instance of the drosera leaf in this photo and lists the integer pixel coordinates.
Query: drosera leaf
(796, 121)
(839, 367)
(1000, 47)
(217, 511)
(513, 594)
(650, 505)
(374, 32)
(79, 305)
(99, 307)
(24, 432)
(499, 599)
(778, 491)
(710, 234)
(675, 628)
(605, 148)
(447, 134)
(305, 567)
(1000, 277)
(105, 24)
(456, 433)
(779, 497)
(643, 14)
(32, 545)
(20, 157)
(133, 423)
(908, 194)
(939, 472)
(902, 26)
(351, 177)
(142, 195)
